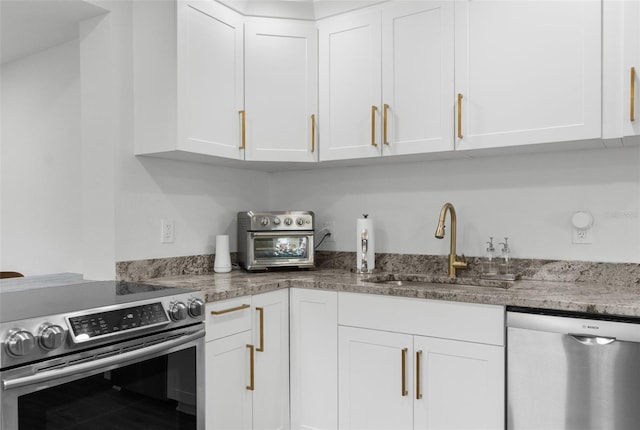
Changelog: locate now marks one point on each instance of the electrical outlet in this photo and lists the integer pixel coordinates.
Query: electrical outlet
(582, 235)
(167, 230)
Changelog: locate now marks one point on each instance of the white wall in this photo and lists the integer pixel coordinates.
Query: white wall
(40, 163)
(529, 198)
(74, 197)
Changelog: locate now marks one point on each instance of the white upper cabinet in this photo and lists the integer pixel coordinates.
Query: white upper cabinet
(631, 72)
(280, 91)
(188, 79)
(385, 80)
(349, 86)
(527, 72)
(210, 78)
(417, 77)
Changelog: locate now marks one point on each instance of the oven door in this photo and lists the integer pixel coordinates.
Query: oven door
(279, 249)
(149, 383)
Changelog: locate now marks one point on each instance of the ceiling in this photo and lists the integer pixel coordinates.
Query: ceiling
(29, 26)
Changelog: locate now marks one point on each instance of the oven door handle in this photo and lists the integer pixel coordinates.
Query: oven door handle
(38, 378)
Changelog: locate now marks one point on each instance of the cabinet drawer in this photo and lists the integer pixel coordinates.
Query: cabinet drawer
(448, 320)
(228, 317)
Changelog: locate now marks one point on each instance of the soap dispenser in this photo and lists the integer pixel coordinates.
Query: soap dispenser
(505, 258)
(489, 264)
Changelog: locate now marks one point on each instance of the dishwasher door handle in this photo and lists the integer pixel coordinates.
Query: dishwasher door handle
(590, 340)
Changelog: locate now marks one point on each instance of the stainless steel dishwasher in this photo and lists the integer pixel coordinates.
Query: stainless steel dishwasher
(572, 371)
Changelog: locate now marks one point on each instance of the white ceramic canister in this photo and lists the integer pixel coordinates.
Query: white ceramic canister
(222, 262)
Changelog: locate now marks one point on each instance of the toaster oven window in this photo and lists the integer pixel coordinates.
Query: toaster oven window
(281, 247)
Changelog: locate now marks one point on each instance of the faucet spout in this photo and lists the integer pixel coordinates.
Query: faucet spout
(455, 262)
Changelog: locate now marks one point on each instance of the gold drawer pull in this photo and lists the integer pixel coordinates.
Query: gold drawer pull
(418, 382)
(313, 132)
(261, 312)
(385, 113)
(404, 372)
(251, 386)
(373, 125)
(243, 128)
(632, 101)
(226, 311)
(459, 116)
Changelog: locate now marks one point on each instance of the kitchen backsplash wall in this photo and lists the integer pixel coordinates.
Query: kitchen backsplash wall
(529, 198)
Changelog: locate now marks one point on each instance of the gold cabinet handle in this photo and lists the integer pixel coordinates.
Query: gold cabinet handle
(251, 386)
(313, 132)
(385, 112)
(226, 311)
(404, 372)
(632, 101)
(261, 312)
(243, 129)
(459, 116)
(418, 382)
(373, 125)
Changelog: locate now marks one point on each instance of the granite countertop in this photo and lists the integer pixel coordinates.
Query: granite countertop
(596, 298)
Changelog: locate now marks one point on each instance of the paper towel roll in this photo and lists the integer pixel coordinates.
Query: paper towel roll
(222, 261)
(365, 245)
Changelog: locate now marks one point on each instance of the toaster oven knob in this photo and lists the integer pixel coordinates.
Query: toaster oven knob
(195, 308)
(264, 221)
(51, 336)
(178, 311)
(288, 221)
(276, 221)
(299, 221)
(20, 343)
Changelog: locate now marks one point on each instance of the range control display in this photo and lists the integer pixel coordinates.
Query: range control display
(87, 327)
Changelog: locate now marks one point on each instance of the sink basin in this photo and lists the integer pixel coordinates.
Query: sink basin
(413, 280)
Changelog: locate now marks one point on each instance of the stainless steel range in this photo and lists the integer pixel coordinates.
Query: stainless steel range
(101, 355)
(269, 240)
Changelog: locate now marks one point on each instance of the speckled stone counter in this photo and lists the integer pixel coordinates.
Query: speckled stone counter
(593, 297)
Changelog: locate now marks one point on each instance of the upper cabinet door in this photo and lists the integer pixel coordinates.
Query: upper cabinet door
(210, 78)
(349, 86)
(527, 72)
(280, 91)
(631, 92)
(417, 77)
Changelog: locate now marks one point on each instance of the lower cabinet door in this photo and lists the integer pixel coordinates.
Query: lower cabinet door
(459, 385)
(227, 375)
(314, 359)
(375, 379)
(271, 340)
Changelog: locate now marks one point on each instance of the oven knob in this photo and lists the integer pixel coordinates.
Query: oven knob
(276, 221)
(264, 221)
(288, 221)
(51, 336)
(299, 221)
(20, 342)
(178, 311)
(195, 308)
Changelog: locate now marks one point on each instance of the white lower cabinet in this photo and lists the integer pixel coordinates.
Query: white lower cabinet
(353, 361)
(314, 359)
(400, 380)
(247, 363)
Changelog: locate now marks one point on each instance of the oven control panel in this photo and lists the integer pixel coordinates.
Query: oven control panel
(275, 221)
(86, 327)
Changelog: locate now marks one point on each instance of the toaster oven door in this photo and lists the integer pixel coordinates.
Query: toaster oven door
(280, 249)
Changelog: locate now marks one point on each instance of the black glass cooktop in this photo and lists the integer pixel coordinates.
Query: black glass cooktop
(31, 302)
